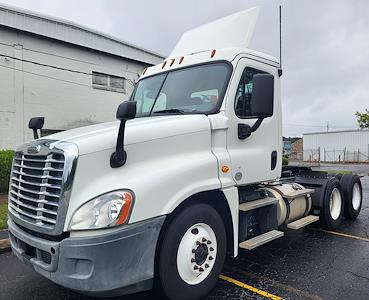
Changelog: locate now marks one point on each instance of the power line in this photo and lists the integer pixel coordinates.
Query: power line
(130, 81)
(45, 76)
(49, 77)
(56, 67)
(318, 126)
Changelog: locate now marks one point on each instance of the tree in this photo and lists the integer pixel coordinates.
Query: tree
(363, 119)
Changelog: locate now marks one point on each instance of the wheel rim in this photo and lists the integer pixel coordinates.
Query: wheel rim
(335, 204)
(356, 196)
(197, 253)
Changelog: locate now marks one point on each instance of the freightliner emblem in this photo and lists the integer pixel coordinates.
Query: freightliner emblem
(34, 149)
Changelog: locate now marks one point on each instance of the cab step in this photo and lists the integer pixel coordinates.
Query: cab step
(247, 206)
(261, 239)
(298, 224)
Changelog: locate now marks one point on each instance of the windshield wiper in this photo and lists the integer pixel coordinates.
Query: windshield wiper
(171, 111)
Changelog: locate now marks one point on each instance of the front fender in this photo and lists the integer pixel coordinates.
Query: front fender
(162, 173)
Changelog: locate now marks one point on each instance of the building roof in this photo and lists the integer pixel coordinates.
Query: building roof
(73, 33)
(338, 131)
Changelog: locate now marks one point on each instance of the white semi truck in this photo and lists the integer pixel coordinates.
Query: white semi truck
(190, 173)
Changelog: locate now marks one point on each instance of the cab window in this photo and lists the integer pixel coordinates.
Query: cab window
(244, 93)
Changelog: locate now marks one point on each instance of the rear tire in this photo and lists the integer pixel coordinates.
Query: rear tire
(352, 194)
(333, 205)
(191, 253)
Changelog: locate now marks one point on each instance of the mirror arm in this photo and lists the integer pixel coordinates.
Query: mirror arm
(257, 124)
(245, 130)
(119, 157)
(35, 134)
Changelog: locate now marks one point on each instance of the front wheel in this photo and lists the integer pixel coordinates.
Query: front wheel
(191, 253)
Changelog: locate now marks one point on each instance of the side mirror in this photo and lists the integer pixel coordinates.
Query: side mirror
(36, 124)
(262, 101)
(262, 95)
(125, 112)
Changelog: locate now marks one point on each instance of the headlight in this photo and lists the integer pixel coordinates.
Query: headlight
(107, 210)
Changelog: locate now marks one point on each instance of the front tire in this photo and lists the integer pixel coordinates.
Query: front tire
(191, 253)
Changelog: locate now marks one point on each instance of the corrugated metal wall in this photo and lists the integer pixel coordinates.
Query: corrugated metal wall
(347, 146)
(66, 99)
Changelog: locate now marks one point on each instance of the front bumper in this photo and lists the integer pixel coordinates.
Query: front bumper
(112, 264)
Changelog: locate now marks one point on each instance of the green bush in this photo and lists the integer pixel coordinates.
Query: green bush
(284, 161)
(6, 158)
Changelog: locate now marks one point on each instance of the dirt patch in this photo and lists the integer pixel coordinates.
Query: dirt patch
(3, 198)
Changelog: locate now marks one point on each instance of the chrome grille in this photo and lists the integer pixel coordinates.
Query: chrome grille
(36, 187)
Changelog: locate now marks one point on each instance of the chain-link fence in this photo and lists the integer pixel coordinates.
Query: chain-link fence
(344, 156)
(315, 156)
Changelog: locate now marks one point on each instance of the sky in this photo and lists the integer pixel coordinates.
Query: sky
(325, 45)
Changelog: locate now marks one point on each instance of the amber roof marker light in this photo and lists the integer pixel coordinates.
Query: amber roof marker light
(213, 53)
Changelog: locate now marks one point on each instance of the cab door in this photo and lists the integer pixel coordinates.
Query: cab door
(257, 157)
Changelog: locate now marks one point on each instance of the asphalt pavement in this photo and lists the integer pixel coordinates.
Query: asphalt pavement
(305, 264)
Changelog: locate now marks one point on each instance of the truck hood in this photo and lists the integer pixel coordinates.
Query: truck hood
(104, 136)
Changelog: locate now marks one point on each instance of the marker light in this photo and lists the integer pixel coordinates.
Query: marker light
(225, 169)
(213, 53)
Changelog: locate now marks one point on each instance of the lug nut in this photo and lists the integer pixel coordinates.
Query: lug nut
(193, 250)
(211, 258)
(203, 240)
(211, 249)
(193, 260)
(207, 266)
(208, 242)
(198, 243)
(195, 267)
(201, 270)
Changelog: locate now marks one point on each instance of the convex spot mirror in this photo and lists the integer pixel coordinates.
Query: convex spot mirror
(36, 124)
(126, 110)
(262, 95)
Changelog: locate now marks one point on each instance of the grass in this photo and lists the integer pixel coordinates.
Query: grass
(337, 171)
(3, 215)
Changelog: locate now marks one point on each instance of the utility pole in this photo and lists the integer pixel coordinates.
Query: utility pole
(327, 126)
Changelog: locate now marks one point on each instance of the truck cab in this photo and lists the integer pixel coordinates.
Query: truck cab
(190, 172)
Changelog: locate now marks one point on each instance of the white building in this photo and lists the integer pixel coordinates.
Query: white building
(336, 146)
(71, 75)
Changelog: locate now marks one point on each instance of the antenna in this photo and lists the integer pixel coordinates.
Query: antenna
(280, 41)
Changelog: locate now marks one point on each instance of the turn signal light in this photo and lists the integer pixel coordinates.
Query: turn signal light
(225, 169)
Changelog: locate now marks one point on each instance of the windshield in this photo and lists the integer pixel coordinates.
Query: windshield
(198, 89)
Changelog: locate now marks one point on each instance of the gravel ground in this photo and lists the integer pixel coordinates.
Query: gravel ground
(305, 264)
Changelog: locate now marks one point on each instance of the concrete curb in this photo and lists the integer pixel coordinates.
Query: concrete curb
(4, 246)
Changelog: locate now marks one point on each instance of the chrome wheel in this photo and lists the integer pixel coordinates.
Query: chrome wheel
(335, 204)
(197, 253)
